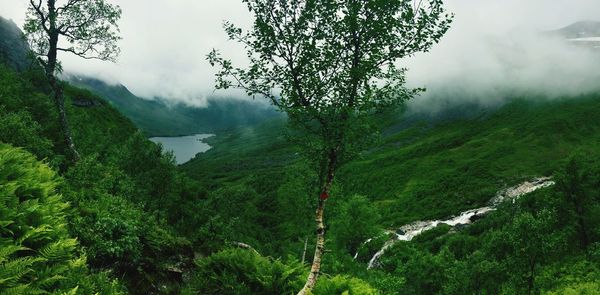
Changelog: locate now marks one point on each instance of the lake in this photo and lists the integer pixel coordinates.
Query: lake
(184, 147)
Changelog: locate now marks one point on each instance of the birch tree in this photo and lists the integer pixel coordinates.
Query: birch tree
(87, 28)
(331, 65)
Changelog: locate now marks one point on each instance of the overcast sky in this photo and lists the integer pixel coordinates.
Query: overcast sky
(165, 43)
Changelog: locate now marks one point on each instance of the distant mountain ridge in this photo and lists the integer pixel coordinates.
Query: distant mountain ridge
(158, 118)
(582, 29)
(155, 117)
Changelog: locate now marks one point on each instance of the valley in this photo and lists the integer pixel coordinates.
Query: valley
(457, 188)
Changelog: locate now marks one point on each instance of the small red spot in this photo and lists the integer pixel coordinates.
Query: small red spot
(324, 196)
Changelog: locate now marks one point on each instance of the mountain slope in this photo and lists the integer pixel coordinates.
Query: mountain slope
(428, 170)
(424, 171)
(582, 29)
(13, 48)
(157, 118)
(117, 194)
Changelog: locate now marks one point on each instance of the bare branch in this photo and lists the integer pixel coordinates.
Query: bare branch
(83, 54)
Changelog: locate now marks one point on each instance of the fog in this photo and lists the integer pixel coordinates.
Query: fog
(493, 49)
(498, 50)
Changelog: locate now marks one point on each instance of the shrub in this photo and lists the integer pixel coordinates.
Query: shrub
(21, 130)
(239, 271)
(343, 285)
(592, 288)
(354, 224)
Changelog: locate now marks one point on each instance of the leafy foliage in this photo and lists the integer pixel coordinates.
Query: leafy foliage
(22, 130)
(455, 165)
(239, 271)
(37, 254)
(116, 216)
(343, 285)
(355, 222)
(89, 27)
(330, 66)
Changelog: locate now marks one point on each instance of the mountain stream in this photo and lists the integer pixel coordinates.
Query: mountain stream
(409, 231)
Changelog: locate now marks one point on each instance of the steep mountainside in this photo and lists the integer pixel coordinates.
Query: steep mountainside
(13, 48)
(111, 197)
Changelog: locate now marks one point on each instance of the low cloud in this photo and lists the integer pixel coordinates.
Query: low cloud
(493, 48)
(496, 51)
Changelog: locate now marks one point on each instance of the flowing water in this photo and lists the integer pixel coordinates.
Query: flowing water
(409, 231)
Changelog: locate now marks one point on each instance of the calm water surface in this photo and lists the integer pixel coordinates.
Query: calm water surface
(184, 147)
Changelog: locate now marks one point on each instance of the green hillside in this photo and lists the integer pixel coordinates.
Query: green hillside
(13, 51)
(420, 170)
(430, 170)
(118, 194)
(158, 118)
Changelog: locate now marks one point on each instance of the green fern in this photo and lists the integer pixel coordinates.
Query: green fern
(59, 250)
(7, 250)
(37, 256)
(20, 290)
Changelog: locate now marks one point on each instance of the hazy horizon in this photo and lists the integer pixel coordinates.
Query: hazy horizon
(492, 45)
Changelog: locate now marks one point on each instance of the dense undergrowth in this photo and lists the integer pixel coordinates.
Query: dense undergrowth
(125, 218)
(129, 206)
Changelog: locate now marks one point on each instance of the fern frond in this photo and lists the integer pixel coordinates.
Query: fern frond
(12, 271)
(71, 292)
(7, 250)
(59, 250)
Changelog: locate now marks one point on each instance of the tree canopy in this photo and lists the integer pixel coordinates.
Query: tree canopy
(331, 65)
(89, 27)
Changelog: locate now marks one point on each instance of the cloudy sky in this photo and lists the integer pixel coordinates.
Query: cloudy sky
(165, 43)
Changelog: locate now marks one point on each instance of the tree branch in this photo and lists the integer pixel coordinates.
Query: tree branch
(82, 54)
(40, 13)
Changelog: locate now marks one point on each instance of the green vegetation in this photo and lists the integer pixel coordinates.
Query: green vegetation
(37, 254)
(238, 219)
(427, 171)
(124, 215)
(88, 29)
(454, 165)
(330, 66)
(158, 117)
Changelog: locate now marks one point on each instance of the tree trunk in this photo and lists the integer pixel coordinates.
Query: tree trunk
(315, 269)
(59, 101)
